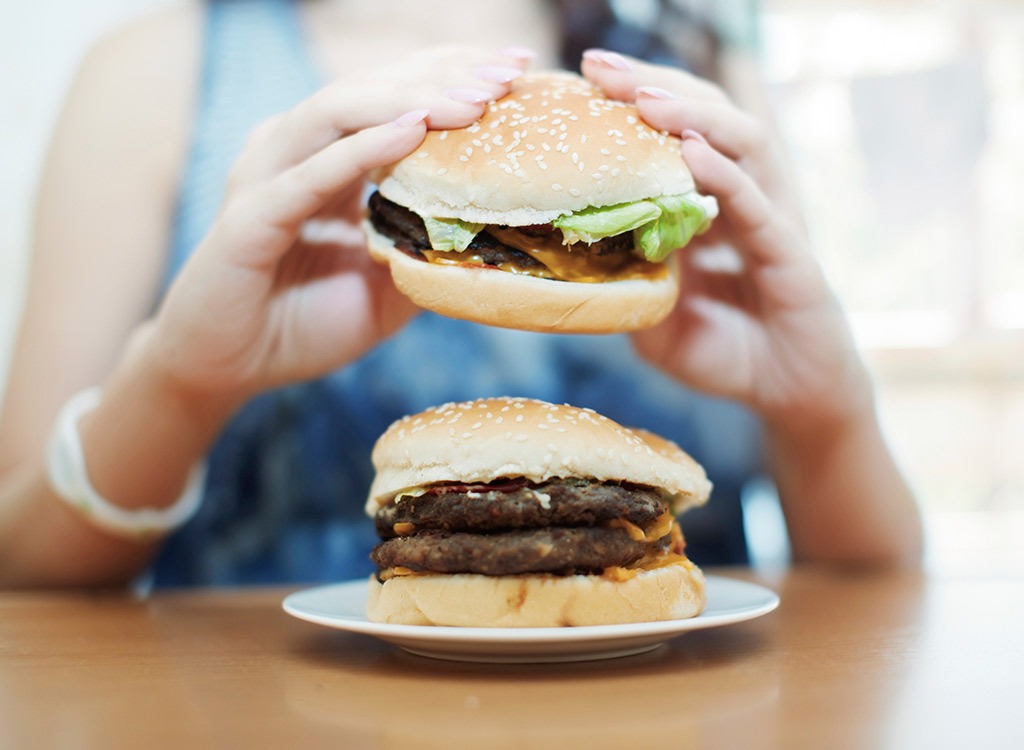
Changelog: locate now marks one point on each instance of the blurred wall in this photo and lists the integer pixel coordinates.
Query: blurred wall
(41, 43)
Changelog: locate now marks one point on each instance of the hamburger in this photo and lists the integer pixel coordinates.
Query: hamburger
(559, 210)
(511, 512)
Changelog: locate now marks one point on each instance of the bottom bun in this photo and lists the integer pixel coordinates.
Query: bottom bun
(511, 300)
(467, 600)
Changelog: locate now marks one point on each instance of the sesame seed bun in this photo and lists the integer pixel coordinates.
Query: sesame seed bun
(479, 441)
(554, 146)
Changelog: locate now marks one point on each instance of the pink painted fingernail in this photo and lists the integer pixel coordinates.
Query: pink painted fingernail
(613, 60)
(498, 74)
(411, 118)
(654, 92)
(469, 96)
(695, 136)
(518, 52)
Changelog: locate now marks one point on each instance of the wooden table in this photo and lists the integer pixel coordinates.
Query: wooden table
(859, 661)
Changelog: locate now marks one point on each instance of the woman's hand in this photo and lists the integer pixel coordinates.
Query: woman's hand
(281, 288)
(756, 320)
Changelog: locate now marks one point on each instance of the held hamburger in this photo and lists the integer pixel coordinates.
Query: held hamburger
(557, 211)
(513, 512)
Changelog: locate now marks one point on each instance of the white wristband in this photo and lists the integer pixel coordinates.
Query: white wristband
(70, 480)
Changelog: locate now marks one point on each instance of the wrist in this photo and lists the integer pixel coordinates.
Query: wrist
(208, 406)
(149, 430)
(835, 407)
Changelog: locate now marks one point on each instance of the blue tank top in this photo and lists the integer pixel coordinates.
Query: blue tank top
(289, 476)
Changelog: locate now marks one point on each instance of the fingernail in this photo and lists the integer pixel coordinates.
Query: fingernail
(654, 92)
(610, 59)
(695, 136)
(518, 52)
(469, 96)
(411, 118)
(498, 74)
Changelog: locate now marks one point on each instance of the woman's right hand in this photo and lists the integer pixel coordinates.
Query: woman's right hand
(269, 296)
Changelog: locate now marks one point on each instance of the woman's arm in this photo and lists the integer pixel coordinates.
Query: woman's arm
(103, 214)
(761, 325)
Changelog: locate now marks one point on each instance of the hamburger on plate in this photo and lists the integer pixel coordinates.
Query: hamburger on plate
(511, 512)
(558, 211)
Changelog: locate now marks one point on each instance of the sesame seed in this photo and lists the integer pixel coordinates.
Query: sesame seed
(574, 192)
(557, 187)
(442, 170)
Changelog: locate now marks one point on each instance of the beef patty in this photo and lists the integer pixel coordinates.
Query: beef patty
(554, 503)
(554, 550)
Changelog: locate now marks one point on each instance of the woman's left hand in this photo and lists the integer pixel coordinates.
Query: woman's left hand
(758, 322)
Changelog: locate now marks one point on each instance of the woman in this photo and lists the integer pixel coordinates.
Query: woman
(247, 308)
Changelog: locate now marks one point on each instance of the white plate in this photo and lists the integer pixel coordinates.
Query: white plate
(343, 606)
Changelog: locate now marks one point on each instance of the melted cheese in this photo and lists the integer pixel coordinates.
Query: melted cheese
(651, 562)
(663, 524)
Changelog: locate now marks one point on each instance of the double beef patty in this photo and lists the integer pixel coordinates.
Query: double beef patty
(555, 527)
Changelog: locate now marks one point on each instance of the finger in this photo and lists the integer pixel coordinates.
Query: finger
(781, 264)
(760, 229)
(267, 220)
(455, 94)
(619, 76)
(727, 128)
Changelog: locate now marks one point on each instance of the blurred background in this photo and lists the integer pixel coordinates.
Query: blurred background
(905, 121)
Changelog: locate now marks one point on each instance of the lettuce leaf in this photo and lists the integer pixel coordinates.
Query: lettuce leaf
(451, 234)
(680, 219)
(593, 224)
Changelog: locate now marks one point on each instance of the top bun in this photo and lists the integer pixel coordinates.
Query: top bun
(553, 146)
(479, 441)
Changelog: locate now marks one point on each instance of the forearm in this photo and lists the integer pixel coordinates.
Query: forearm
(139, 445)
(843, 496)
